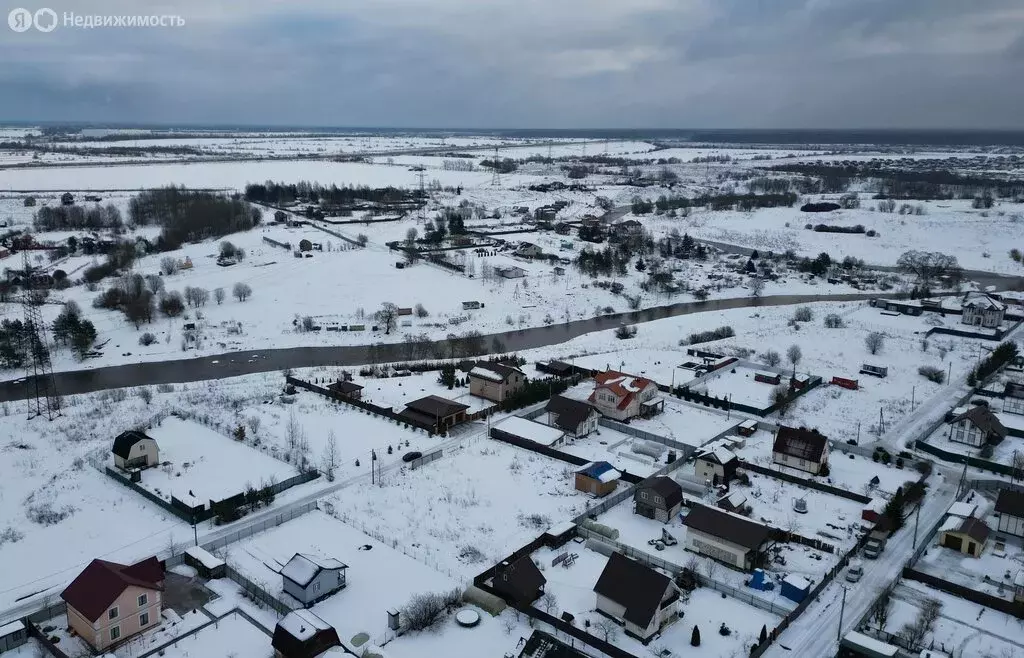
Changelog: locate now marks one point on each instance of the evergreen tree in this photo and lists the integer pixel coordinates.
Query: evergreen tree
(894, 509)
(695, 637)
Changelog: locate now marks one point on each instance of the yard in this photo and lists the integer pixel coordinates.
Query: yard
(687, 423)
(378, 578)
(196, 459)
(469, 509)
(230, 637)
(737, 383)
(616, 448)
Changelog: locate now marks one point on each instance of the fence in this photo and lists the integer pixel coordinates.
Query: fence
(684, 449)
(973, 595)
(386, 412)
(258, 594)
(187, 517)
(275, 243)
(40, 636)
(253, 528)
(425, 459)
(976, 462)
(804, 482)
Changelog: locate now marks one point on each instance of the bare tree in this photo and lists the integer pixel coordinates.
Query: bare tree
(254, 423)
(155, 284)
(548, 602)
(146, 394)
(794, 354)
(780, 398)
(607, 628)
(881, 608)
(771, 358)
(241, 291)
(293, 431)
(202, 296)
(330, 461)
(874, 342)
(168, 265)
(387, 316)
(756, 287)
(219, 294)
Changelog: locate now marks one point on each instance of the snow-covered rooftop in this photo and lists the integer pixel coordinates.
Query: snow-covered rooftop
(798, 582)
(870, 643)
(963, 509)
(486, 374)
(204, 557)
(528, 429)
(13, 627)
(302, 568)
(302, 624)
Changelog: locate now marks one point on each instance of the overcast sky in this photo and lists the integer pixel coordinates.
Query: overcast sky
(529, 64)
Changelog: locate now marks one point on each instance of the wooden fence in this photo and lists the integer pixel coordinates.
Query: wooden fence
(805, 482)
(384, 412)
(972, 595)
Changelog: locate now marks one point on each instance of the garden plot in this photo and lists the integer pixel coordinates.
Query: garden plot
(396, 392)
(617, 449)
(378, 578)
(226, 638)
(493, 636)
(467, 510)
(686, 423)
(656, 365)
(846, 470)
(196, 459)
(737, 383)
(573, 591)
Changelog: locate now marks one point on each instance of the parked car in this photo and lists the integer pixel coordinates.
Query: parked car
(409, 456)
(855, 572)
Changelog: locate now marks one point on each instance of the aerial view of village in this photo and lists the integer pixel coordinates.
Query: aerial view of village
(405, 393)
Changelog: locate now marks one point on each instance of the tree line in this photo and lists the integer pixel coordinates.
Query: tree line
(62, 218)
(191, 215)
(278, 193)
(904, 182)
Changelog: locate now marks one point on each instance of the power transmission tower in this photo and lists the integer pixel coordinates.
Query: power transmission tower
(549, 151)
(583, 150)
(43, 398)
(496, 177)
(606, 146)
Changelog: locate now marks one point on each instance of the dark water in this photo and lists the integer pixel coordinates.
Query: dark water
(890, 137)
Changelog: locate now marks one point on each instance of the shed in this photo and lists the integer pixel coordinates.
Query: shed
(772, 378)
(208, 565)
(12, 636)
(310, 578)
(858, 645)
(301, 634)
(597, 478)
(747, 428)
(795, 588)
(515, 429)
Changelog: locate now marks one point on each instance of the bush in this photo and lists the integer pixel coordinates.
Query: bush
(425, 610)
(147, 339)
(986, 451)
(772, 358)
(803, 314)
(834, 321)
(625, 332)
(708, 336)
(932, 374)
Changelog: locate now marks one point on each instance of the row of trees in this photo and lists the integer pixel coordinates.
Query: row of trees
(62, 218)
(139, 297)
(191, 215)
(279, 193)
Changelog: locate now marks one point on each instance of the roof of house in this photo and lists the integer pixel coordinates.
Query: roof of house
(982, 418)
(497, 372)
(718, 454)
(436, 406)
(981, 301)
(521, 578)
(962, 509)
(602, 471)
(298, 628)
(100, 583)
(730, 527)
(343, 386)
(1013, 390)
(1010, 502)
(800, 442)
(303, 568)
(560, 366)
(667, 488)
(974, 528)
(623, 386)
(733, 500)
(530, 430)
(569, 413)
(636, 587)
(125, 440)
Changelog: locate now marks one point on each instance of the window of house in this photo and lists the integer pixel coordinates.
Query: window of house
(113, 613)
(657, 499)
(316, 587)
(143, 600)
(643, 495)
(144, 619)
(115, 632)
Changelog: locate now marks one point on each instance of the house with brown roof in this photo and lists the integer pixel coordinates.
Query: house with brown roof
(716, 464)
(1010, 508)
(346, 389)
(109, 602)
(620, 396)
(801, 448)
(966, 535)
(643, 600)
(520, 582)
(659, 498)
(495, 381)
(301, 634)
(976, 427)
(726, 537)
(574, 417)
(1013, 398)
(435, 411)
(133, 449)
(981, 310)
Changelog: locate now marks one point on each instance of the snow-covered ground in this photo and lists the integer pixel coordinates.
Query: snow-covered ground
(232, 636)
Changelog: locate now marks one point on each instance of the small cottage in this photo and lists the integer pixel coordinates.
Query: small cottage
(716, 465)
(346, 389)
(597, 479)
(133, 449)
(966, 535)
(801, 448)
(659, 498)
(574, 417)
(309, 578)
(440, 413)
(643, 600)
(495, 381)
(976, 427)
(1013, 398)
(13, 635)
(728, 538)
(1010, 508)
(520, 582)
(301, 634)
(734, 502)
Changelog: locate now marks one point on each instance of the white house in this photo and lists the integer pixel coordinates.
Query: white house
(980, 310)
(574, 417)
(726, 537)
(643, 600)
(976, 426)
(801, 448)
(715, 464)
(1013, 398)
(133, 449)
(310, 578)
(1010, 508)
(620, 396)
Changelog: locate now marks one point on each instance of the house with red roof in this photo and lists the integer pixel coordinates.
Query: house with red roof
(620, 396)
(110, 602)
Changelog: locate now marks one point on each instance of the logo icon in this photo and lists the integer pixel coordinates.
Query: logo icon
(20, 20)
(45, 19)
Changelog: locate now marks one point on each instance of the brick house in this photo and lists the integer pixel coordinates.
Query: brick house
(109, 602)
(620, 396)
(495, 381)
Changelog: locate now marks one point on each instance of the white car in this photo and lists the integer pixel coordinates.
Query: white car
(855, 572)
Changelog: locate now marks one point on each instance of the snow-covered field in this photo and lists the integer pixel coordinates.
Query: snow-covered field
(232, 636)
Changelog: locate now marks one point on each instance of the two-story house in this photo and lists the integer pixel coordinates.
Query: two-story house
(109, 602)
(801, 448)
(659, 498)
(976, 427)
(980, 310)
(716, 464)
(643, 600)
(133, 449)
(620, 396)
(495, 381)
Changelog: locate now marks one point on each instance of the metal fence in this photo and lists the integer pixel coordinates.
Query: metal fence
(684, 449)
(426, 459)
(260, 526)
(258, 594)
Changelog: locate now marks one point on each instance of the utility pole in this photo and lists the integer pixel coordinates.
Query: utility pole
(949, 374)
(195, 533)
(858, 432)
(496, 177)
(842, 610)
(913, 391)
(917, 517)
